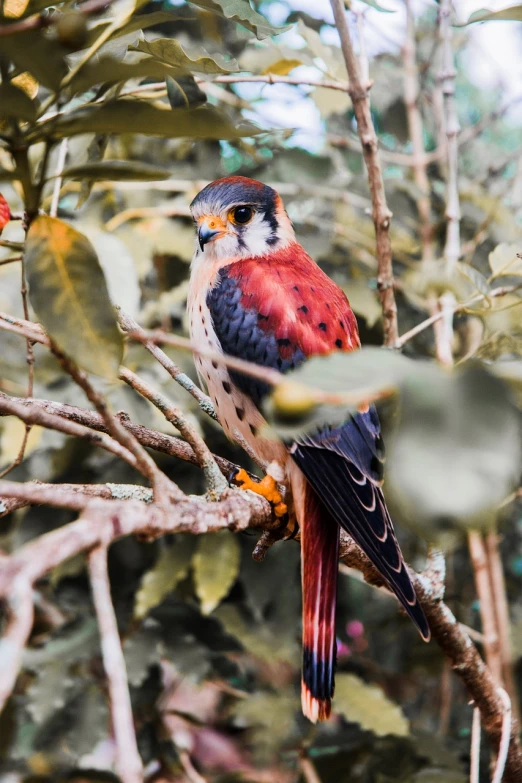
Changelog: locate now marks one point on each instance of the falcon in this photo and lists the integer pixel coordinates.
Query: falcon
(255, 294)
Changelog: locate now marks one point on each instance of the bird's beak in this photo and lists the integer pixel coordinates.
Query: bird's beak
(209, 228)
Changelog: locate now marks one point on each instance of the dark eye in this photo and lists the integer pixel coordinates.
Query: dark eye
(242, 215)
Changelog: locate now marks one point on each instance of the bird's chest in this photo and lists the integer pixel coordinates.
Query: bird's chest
(238, 415)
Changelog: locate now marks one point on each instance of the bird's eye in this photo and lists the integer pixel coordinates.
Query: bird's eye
(241, 215)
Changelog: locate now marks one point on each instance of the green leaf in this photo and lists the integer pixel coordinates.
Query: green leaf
(15, 103)
(506, 260)
(183, 92)
(33, 52)
(47, 694)
(216, 566)
(134, 116)
(457, 451)
(170, 568)
(140, 22)
(171, 52)
(68, 292)
(260, 640)
(368, 706)
(512, 13)
(371, 370)
(108, 70)
(117, 171)
(241, 11)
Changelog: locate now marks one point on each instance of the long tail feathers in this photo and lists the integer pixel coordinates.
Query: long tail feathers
(319, 569)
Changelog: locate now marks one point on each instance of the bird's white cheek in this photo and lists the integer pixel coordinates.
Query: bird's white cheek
(256, 238)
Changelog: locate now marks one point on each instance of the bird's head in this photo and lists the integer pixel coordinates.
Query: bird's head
(238, 217)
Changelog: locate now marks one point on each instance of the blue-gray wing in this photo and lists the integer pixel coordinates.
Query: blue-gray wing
(344, 465)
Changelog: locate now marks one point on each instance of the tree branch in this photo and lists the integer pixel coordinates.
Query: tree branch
(128, 761)
(416, 132)
(381, 215)
(128, 324)
(215, 480)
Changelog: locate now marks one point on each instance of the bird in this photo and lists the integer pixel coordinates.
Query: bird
(255, 294)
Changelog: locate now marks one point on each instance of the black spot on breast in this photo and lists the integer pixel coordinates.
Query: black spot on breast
(214, 364)
(200, 308)
(312, 289)
(295, 288)
(341, 324)
(303, 309)
(328, 306)
(284, 342)
(206, 333)
(322, 326)
(339, 342)
(253, 429)
(203, 320)
(240, 414)
(227, 387)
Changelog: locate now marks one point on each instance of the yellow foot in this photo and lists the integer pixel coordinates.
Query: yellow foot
(267, 488)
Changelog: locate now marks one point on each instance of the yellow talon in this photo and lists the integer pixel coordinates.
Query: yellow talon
(267, 488)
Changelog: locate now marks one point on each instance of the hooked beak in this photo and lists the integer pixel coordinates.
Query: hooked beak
(208, 229)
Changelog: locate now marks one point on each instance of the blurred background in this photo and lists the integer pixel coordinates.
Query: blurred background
(213, 653)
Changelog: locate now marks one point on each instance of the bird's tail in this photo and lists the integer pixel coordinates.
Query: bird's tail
(319, 568)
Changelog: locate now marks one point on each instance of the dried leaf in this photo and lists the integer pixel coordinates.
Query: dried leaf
(216, 566)
(69, 294)
(368, 706)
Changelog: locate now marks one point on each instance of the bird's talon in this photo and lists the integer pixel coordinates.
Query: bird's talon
(267, 488)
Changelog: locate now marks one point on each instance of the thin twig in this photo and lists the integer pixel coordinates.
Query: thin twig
(501, 609)
(457, 307)
(62, 155)
(477, 551)
(308, 770)
(503, 750)
(128, 324)
(474, 773)
(447, 78)
(31, 413)
(151, 439)
(380, 213)
(30, 375)
(216, 482)
(20, 612)
(128, 761)
(416, 132)
(164, 488)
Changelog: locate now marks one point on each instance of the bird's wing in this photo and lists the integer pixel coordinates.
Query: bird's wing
(277, 311)
(344, 467)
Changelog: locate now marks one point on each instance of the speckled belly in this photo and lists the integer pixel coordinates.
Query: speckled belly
(239, 417)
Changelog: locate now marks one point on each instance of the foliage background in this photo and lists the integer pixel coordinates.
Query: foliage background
(211, 638)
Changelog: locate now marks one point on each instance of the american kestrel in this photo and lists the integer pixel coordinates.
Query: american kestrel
(255, 294)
